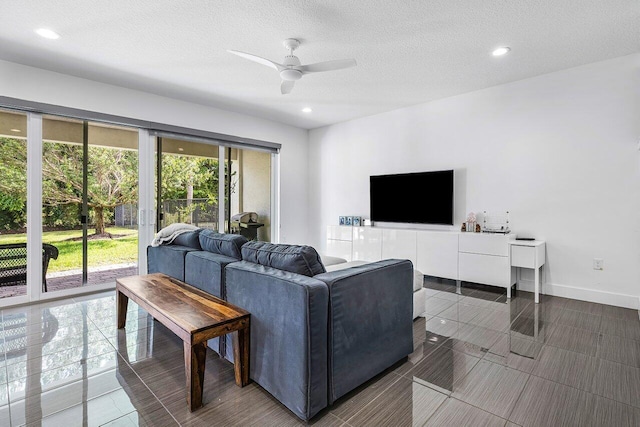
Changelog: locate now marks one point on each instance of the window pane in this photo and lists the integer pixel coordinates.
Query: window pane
(111, 187)
(189, 183)
(250, 183)
(13, 204)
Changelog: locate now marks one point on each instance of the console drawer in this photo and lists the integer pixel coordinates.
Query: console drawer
(340, 232)
(485, 269)
(523, 256)
(487, 244)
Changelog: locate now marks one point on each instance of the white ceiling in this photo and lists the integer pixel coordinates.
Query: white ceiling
(408, 51)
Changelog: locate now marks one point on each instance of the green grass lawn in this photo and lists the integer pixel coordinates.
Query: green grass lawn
(100, 252)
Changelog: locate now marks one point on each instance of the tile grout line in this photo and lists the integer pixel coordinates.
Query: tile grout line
(63, 385)
(118, 355)
(573, 387)
(436, 410)
(6, 368)
(478, 408)
(596, 357)
(375, 398)
(513, 408)
(450, 396)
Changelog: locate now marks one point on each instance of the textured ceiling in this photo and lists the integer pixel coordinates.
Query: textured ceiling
(408, 51)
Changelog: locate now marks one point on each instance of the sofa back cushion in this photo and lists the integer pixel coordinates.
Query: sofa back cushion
(223, 244)
(189, 239)
(293, 258)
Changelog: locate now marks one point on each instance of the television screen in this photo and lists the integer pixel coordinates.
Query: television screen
(423, 197)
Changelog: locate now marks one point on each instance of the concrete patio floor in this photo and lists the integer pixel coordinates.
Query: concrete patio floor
(73, 280)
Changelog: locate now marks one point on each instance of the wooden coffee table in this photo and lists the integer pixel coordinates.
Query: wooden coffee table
(193, 315)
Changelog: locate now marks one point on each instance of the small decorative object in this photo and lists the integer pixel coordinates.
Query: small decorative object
(464, 227)
(478, 228)
(356, 221)
(348, 221)
(368, 223)
(343, 220)
(496, 222)
(471, 222)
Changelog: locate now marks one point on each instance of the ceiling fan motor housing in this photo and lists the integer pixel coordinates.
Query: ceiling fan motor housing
(290, 73)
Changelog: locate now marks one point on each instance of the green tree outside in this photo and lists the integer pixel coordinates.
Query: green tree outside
(112, 181)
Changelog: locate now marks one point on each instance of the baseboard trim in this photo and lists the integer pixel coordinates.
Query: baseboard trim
(583, 294)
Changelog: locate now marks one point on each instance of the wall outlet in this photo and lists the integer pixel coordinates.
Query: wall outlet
(598, 264)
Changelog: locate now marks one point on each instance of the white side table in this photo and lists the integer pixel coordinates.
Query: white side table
(529, 254)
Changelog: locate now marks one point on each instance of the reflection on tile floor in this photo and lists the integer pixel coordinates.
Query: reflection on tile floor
(479, 359)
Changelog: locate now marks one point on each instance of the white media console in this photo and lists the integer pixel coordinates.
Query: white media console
(471, 257)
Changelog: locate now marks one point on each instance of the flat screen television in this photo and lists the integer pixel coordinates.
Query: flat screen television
(421, 198)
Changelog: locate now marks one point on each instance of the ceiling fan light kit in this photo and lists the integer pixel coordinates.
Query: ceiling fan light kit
(290, 74)
(291, 69)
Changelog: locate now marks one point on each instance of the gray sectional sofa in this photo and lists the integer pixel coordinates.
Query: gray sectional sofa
(315, 335)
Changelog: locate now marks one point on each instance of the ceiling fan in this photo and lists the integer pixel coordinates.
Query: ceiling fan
(291, 70)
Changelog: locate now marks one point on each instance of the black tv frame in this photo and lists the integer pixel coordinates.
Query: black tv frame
(401, 190)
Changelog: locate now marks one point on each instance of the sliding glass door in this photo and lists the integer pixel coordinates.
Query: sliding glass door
(89, 202)
(250, 192)
(13, 204)
(187, 183)
(79, 184)
(210, 186)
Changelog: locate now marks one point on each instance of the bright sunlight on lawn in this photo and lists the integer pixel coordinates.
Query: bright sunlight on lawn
(119, 250)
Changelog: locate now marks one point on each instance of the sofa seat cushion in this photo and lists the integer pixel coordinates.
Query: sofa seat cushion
(223, 244)
(345, 265)
(418, 280)
(419, 303)
(328, 260)
(168, 234)
(189, 239)
(205, 271)
(167, 259)
(293, 258)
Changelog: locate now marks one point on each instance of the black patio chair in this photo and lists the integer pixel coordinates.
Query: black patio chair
(13, 263)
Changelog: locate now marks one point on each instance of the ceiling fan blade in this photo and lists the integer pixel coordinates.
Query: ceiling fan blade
(258, 59)
(338, 64)
(286, 86)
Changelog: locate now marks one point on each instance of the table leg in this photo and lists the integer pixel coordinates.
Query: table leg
(122, 301)
(537, 284)
(241, 342)
(194, 360)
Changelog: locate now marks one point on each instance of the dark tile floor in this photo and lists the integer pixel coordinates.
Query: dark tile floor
(479, 360)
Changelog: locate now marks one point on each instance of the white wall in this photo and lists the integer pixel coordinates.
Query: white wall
(33, 84)
(559, 151)
(256, 194)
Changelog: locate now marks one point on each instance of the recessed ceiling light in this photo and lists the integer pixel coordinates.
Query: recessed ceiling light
(15, 130)
(47, 34)
(501, 51)
(307, 110)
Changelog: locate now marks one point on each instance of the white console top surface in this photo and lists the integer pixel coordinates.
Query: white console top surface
(532, 243)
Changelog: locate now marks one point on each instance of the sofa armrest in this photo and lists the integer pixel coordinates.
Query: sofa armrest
(370, 321)
(288, 333)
